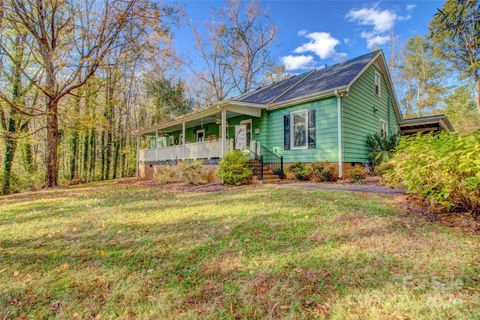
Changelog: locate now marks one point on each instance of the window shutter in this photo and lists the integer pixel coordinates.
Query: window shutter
(311, 129)
(286, 132)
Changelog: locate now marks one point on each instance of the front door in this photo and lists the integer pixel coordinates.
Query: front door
(201, 135)
(248, 124)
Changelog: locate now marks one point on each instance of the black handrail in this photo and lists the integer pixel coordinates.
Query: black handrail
(258, 171)
(272, 160)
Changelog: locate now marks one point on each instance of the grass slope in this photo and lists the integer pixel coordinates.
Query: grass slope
(108, 250)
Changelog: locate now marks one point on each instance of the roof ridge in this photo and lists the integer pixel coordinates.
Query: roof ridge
(249, 93)
(292, 86)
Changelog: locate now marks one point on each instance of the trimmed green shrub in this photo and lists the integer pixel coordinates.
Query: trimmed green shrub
(443, 168)
(357, 174)
(194, 172)
(300, 171)
(323, 172)
(167, 174)
(233, 168)
(381, 148)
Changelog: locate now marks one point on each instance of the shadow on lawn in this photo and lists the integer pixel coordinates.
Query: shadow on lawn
(260, 262)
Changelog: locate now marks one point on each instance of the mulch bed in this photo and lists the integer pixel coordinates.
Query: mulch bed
(458, 220)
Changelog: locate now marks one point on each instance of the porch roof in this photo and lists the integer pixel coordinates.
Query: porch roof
(425, 124)
(204, 116)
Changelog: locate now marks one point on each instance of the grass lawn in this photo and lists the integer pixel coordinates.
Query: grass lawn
(108, 250)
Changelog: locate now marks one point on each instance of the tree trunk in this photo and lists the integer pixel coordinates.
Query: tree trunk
(93, 154)
(52, 144)
(102, 146)
(73, 155)
(86, 141)
(10, 146)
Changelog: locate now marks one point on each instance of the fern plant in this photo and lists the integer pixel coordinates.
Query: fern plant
(381, 148)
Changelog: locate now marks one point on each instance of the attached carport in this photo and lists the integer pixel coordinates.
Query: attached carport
(425, 124)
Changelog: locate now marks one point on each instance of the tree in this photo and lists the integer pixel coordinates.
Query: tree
(461, 110)
(455, 30)
(57, 30)
(421, 76)
(236, 51)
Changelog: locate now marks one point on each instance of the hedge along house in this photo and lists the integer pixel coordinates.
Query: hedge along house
(320, 115)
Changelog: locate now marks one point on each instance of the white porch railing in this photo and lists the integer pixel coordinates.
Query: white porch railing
(197, 150)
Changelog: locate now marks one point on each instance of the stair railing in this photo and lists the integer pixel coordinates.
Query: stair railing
(272, 160)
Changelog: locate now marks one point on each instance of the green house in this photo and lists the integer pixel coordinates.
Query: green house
(320, 115)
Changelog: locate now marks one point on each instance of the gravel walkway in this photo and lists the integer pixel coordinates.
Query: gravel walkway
(347, 187)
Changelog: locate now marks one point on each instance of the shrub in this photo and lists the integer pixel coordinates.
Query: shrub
(357, 174)
(300, 171)
(194, 172)
(323, 172)
(443, 168)
(167, 174)
(233, 168)
(381, 148)
(382, 168)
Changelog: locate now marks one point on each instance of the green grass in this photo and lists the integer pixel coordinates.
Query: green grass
(109, 250)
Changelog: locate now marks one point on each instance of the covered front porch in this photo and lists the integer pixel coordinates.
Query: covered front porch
(206, 134)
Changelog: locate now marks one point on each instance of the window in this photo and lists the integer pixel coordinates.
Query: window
(383, 128)
(378, 81)
(299, 132)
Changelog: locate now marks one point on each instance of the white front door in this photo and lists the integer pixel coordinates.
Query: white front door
(248, 123)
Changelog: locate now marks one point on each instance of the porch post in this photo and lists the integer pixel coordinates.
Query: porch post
(183, 140)
(224, 132)
(156, 145)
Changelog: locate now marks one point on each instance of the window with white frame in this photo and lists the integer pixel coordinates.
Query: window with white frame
(378, 81)
(383, 128)
(299, 129)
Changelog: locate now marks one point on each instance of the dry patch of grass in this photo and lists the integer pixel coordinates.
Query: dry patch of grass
(127, 251)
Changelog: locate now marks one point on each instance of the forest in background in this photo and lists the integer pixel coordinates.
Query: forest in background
(79, 77)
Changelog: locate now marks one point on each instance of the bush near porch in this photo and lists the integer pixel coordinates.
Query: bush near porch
(233, 168)
(443, 168)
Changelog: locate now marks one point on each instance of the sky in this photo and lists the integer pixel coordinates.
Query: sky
(312, 34)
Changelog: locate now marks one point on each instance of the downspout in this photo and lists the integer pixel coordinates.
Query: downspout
(339, 128)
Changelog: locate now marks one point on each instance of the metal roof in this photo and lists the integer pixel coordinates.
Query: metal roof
(427, 123)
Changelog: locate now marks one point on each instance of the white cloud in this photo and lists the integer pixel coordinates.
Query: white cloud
(321, 43)
(301, 33)
(297, 62)
(381, 20)
(374, 39)
(410, 7)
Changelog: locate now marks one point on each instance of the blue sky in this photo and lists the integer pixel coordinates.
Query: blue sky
(315, 33)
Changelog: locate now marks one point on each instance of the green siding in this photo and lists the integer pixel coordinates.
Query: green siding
(359, 118)
(326, 132)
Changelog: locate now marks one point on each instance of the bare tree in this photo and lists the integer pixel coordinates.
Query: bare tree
(57, 32)
(236, 51)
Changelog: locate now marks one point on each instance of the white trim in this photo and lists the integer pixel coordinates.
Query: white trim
(383, 122)
(198, 131)
(379, 84)
(292, 141)
(223, 128)
(339, 131)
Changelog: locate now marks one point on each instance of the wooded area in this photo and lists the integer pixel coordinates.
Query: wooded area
(78, 77)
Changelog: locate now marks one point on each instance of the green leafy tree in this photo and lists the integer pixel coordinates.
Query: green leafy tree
(461, 110)
(455, 31)
(421, 75)
(169, 98)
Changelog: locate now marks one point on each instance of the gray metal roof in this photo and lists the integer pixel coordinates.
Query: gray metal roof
(310, 82)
